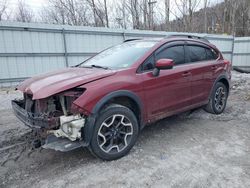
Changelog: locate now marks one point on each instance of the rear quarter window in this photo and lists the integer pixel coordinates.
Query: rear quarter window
(211, 54)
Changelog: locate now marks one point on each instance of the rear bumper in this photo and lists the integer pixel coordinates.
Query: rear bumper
(32, 120)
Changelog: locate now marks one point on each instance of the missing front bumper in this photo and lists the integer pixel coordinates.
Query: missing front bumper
(33, 120)
(47, 129)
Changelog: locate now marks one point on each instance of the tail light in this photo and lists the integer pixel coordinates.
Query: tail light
(228, 64)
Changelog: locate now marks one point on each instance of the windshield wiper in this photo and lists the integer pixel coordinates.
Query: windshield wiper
(98, 66)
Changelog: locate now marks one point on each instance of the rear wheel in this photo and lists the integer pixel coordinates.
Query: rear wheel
(218, 99)
(115, 133)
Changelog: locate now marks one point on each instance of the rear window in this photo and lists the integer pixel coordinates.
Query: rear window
(197, 53)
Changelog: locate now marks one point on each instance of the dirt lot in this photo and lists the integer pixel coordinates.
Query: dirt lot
(189, 150)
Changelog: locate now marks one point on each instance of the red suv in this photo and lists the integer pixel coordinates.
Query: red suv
(104, 102)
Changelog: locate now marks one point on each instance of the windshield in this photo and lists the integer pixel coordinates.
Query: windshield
(120, 56)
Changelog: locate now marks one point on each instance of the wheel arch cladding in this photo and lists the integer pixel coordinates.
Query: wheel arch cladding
(222, 78)
(125, 98)
(107, 99)
(225, 82)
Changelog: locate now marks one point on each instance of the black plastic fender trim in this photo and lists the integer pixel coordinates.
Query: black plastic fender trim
(222, 76)
(89, 126)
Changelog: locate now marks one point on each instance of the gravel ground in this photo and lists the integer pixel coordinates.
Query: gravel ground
(188, 150)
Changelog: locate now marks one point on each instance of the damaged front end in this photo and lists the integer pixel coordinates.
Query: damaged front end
(56, 121)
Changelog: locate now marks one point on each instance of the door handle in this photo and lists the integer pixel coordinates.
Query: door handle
(186, 74)
(214, 67)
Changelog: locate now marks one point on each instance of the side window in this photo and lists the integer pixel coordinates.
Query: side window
(149, 64)
(176, 53)
(197, 53)
(211, 54)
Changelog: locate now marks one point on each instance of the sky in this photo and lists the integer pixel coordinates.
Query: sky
(36, 5)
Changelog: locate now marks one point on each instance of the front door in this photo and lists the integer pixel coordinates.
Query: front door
(169, 92)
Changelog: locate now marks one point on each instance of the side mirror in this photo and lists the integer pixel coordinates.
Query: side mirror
(162, 64)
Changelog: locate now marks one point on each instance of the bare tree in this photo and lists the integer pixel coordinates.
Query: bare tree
(106, 13)
(133, 9)
(94, 9)
(241, 18)
(100, 12)
(23, 13)
(71, 8)
(137, 13)
(234, 7)
(145, 14)
(151, 4)
(122, 14)
(187, 9)
(235, 16)
(206, 3)
(192, 7)
(77, 12)
(71, 12)
(54, 13)
(229, 16)
(224, 15)
(167, 7)
(3, 8)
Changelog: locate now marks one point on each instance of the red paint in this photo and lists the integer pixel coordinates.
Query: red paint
(175, 90)
(164, 63)
(48, 84)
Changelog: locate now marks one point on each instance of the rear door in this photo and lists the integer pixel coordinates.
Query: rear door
(202, 63)
(170, 91)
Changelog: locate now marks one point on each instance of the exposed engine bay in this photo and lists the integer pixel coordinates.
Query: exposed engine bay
(55, 116)
(70, 127)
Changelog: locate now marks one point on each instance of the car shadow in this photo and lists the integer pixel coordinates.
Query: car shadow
(84, 155)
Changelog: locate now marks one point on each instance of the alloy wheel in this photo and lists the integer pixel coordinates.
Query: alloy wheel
(115, 134)
(220, 98)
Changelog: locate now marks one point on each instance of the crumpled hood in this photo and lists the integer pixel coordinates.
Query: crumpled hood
(48, 84)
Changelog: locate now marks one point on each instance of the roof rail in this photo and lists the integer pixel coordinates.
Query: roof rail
(188, 36)
(128, 40)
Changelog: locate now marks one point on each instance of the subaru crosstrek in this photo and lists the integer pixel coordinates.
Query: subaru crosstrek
(104, 102)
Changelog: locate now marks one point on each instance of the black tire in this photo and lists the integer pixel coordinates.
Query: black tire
(217, 104)
(124, 121)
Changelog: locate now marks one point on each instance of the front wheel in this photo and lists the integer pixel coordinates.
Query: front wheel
(115, 133)
(218, 99)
